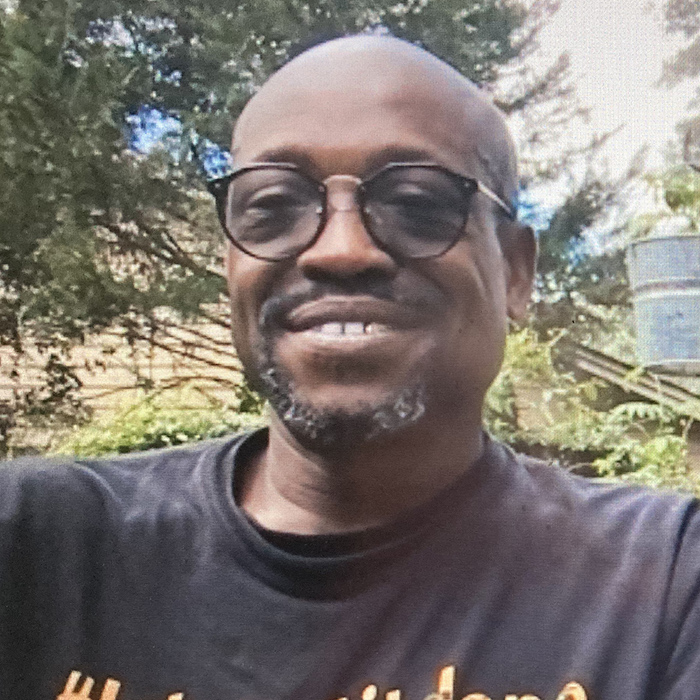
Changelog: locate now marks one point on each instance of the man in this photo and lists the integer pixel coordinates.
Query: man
(374, 543)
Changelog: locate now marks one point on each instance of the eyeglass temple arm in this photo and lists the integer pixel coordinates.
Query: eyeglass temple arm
(218, 188)
(495, 198)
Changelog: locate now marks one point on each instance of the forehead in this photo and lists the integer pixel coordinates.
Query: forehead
(354, 116)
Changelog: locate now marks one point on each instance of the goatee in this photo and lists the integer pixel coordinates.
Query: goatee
(330, 430)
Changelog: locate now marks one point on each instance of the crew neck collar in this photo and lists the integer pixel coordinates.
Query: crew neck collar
(335, 566)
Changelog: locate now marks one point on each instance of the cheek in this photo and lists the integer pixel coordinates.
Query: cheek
(475, 273)
(248, 279)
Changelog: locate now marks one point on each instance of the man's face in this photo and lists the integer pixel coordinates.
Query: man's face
(345, 329)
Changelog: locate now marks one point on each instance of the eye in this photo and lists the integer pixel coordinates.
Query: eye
(272, 200)
(413, 197)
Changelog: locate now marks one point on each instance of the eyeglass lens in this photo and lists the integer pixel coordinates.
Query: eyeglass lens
(410, 211)
(273, 213)
(417, 212)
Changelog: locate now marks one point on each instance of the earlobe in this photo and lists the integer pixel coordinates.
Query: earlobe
(521, 259)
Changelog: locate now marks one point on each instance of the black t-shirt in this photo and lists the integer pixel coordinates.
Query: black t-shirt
(142, 574)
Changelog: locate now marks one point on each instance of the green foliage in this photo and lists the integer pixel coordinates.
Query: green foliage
(566, 228)
(158, 420)
(534, 403)
(660, 462)
(683, 17)
(576, 287)
(94, 235)
(677, 192)
(85, 225)
(553, 407)
(680, 189)
(58, 401)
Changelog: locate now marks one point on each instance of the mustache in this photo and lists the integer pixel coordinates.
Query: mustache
(425, 300)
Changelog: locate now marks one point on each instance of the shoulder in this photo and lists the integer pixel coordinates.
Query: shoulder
(604, 518)
(555, 485)
(48, 491)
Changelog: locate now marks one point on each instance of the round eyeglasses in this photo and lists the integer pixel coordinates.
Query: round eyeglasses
(274, 211)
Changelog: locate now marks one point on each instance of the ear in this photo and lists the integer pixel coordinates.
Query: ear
(520, 251)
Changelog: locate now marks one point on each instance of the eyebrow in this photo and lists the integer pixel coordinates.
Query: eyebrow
(400, 154)
(389, 154)
(293, 156)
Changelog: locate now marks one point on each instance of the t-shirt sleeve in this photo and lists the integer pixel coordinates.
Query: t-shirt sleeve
(678, 658)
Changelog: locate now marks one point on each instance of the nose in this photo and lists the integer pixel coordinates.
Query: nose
(344, 247)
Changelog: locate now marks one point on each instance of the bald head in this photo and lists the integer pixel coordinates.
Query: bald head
(332, 86)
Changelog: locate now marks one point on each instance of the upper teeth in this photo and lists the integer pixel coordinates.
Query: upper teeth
(349, 328)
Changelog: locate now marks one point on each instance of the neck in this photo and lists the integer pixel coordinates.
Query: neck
(290, 489)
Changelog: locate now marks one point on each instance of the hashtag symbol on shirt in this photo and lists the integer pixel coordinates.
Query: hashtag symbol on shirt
(71, 691)
(109, 690)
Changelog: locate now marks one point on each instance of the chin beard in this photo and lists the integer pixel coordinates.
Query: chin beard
(331, 430)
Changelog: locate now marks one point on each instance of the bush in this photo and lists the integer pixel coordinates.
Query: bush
(637, 442)
(157, 420)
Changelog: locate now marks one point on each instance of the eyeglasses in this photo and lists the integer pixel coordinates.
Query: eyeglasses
(274, 211)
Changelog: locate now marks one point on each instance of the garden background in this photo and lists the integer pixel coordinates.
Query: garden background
(114, 333)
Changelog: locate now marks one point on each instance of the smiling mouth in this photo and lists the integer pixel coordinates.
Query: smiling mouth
(340, 329)
(353, 317)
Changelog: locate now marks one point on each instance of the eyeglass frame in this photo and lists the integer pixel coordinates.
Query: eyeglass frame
(220, 187)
